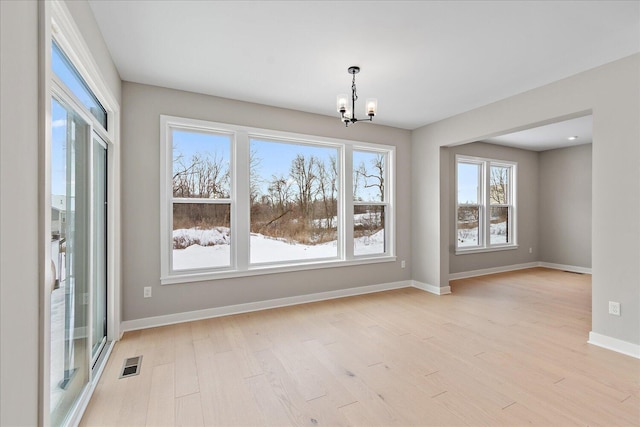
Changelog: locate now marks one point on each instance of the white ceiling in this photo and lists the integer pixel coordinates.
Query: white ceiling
(423, 60)
(548, 137)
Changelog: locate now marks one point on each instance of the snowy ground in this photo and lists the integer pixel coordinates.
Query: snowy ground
(263, 249)
(469, 237)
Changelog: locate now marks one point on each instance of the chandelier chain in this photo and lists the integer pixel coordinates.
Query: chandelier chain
(353, 88)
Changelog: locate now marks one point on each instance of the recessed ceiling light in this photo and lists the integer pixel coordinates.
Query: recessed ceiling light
(572, 138)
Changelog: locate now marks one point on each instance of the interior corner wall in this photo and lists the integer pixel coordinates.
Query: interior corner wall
(565, 206)
(446, 197)
(19, 265)
(142, 106)
(526, 215)
(426, 211)
(611, 93)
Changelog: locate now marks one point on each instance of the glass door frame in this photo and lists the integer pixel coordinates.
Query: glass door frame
(71, 180)
(56, 22)
(62, 95)
(97, 139)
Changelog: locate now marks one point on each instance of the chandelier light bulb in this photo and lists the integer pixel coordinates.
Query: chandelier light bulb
(372, 107)
(342, 103)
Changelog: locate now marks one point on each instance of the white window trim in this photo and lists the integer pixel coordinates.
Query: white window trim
(484, 205)
(387, 198)
(240, 219)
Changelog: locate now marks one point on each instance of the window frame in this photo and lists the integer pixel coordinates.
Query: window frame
(203, 200)
(484, 204)
(308, 143)
(384, 202)
(240, 204)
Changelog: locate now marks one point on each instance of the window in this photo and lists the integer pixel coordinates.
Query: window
(71, 78)
(294, 201)
(485, 204)
(239, 201)
(369, 202)
(201, 200)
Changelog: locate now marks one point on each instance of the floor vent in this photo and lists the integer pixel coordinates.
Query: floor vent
(131, 367)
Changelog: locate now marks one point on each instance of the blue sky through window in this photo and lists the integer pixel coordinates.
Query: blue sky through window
(189, 143)
(66, 72)
(58, 149)
(274, 158)
(468, 183)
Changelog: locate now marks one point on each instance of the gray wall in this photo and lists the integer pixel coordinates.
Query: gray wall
(19, 266)
(142, 106)
(526, 208)
(610, 92)
(565, 206)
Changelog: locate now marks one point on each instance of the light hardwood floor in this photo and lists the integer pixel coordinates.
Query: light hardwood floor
(506, 349)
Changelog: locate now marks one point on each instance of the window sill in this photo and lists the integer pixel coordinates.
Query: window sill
(481, 250)
(272, 269)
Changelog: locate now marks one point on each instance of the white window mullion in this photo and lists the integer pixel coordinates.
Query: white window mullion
(512, 204)
(166, 198)
(346, 194)
(240, 216)
(387, 214)
(486, 202)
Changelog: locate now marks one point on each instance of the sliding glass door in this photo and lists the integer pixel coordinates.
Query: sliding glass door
(78, 322)
(99, 253)
(70, 263)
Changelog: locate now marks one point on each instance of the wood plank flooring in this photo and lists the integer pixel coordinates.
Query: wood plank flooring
(506, 350)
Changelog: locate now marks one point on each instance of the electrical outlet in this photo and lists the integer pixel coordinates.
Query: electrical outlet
(614, 308)
(147, 291)
(403, 264)
(530, 250)
(85, 298)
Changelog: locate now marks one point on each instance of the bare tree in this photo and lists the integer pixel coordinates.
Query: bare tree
(205, 175)
(280, 193)
(303, 173)
(254, 177)
(328, 188)
(498, 185)
(371, 178)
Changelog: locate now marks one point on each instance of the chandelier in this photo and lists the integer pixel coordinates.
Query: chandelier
(348, 115)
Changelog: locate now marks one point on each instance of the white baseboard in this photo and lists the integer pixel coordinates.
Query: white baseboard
(514, 267)
(169, 319)
(445, 290)
(614, 344)
(564, 267)
(494, 270)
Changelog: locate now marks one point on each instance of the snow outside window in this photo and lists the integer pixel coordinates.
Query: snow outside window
(485, 204)
(239, 201)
